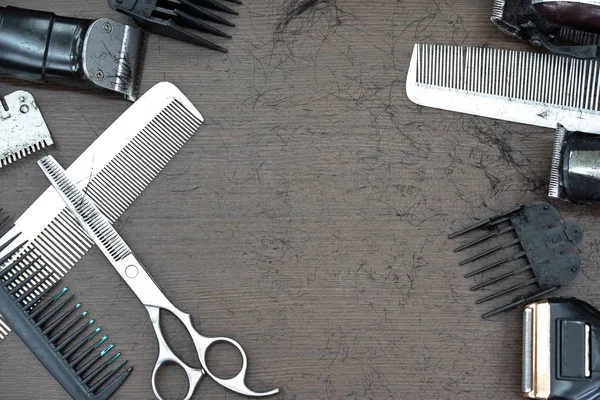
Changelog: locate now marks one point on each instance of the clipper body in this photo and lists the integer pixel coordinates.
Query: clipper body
(575, 174)
(561, 350)
(43, 47)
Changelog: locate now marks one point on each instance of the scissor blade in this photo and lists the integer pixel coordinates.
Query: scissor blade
(96, 225)
(101, 232)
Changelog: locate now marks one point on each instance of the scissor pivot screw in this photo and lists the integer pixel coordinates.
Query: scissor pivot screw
(107, 27)
(131, 271)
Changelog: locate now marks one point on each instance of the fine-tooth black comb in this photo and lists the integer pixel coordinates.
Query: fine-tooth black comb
(61, 336)
(545, 256)
(175, 18)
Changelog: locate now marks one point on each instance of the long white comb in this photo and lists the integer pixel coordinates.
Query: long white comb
(530, 88)
(113, 172)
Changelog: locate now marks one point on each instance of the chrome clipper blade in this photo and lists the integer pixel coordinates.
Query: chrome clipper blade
(529, 88)
(560, 351)
(541, 253)
(22, 128)
(575, 173)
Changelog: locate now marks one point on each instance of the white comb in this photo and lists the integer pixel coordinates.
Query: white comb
(530, 88)
(113, 172)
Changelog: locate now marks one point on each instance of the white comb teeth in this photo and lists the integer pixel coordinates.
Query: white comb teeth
(498, 11)
(530, 88)
(4, 330)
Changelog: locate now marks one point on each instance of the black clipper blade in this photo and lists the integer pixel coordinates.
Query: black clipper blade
(57, 330)
(540, 241)
(178, 18)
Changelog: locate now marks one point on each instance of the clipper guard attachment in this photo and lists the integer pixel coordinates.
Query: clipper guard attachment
(536, 249)
(178, 19)
(55, 328)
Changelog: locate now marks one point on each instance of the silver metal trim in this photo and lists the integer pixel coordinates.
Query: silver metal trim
(554, 190)
(585, 163)
(527, 349)
(588, 351)
(113, 56)
(22, 128)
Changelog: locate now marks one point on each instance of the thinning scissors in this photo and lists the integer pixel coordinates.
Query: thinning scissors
(99, 229)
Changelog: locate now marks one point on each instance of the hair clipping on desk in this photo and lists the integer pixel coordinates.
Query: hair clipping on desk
(544, 256)
(178, 19)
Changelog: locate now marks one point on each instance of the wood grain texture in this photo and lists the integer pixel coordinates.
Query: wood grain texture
(308, 217)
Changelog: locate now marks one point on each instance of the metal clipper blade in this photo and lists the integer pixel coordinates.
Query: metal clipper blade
(22, 128)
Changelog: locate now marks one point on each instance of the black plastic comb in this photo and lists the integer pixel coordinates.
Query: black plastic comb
(176, 18)
(60, 335)
(544, 245)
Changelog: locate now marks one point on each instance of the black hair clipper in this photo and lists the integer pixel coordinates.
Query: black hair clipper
(567, 27)
(561, 350)
(575, 174)
(43, 47)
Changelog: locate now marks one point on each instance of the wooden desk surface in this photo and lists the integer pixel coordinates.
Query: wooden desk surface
(308, 218)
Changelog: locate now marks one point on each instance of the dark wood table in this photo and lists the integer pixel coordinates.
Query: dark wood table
(308, 218)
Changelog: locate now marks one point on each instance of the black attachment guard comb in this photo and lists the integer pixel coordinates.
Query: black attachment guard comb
(174, 18)
(544, 242)
(58, 334)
